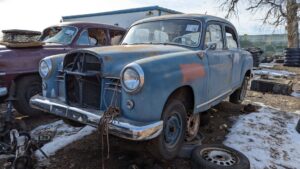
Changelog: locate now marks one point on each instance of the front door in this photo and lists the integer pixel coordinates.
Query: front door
(220, 62)
(233, 46)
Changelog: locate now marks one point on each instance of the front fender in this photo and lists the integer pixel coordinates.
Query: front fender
(163, 75)
(50, 88)
(247, 64)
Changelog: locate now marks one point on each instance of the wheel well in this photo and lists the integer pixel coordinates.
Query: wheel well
(186, 95)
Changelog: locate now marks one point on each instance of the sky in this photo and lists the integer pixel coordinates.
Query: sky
(39, 14)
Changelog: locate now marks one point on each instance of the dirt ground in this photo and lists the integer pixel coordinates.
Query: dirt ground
(86, 153)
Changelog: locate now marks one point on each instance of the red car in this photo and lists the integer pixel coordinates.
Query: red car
(19, 66)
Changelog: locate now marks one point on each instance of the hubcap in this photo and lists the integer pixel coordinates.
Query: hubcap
(219, 156)
(173, 130)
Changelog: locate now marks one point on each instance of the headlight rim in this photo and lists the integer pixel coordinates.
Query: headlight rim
(138, 69)
(49, 64)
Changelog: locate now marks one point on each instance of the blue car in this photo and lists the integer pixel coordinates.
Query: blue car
(154, 86)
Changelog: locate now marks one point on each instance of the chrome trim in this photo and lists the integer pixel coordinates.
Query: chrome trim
(136, 67)
(120, 126)
(214, 99)
(3, 91)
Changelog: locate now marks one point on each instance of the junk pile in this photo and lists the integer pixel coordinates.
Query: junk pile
(256, 54)
(273, 81)
(292, 57)
(20, 38)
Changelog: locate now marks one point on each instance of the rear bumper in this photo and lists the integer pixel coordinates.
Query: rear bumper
(120, 126)
(3, 91)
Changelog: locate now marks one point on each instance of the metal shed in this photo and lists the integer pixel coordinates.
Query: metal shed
(123, 18)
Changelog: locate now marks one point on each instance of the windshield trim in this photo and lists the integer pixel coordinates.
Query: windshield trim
(71, 41)
(175, 44)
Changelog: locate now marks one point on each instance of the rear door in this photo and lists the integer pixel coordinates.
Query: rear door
(219, 61)
(233, 46)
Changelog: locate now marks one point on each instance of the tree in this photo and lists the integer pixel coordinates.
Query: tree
(278, 12)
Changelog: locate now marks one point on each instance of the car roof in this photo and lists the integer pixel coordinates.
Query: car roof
(199, 17)
(88, 24)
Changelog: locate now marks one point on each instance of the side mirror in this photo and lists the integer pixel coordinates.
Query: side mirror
(211, 46)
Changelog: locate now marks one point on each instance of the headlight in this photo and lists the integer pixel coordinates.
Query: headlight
(45, 68)
(132, 78)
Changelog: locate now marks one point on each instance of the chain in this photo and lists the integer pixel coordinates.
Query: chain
(108, 116)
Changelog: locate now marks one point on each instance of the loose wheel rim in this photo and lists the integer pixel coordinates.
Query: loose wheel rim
(219, 156)
(244, 90)
(193, 122)
(173, 130)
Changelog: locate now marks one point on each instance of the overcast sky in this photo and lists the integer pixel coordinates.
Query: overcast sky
(38, 14)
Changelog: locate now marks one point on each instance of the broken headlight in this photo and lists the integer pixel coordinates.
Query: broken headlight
(132, 78)
(45, 68)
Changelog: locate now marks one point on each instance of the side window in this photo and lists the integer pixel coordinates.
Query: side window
(84, 38)
(231, 38)
(115, 37)
(93, 37)
(214, 35)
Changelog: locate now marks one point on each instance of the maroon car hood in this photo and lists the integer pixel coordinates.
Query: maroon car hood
(25, 60)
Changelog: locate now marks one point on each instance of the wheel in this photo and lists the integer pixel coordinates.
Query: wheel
(27, 87)
(167, 145)
(73, 123)
(193, 124)
(298, 126)
(22, 162)
(218, 156)
(239, 95)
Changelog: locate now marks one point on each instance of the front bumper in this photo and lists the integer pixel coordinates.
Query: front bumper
(120, 126)
(3, 91)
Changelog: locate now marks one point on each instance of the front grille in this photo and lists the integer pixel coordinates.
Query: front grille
(82, 80)
(112, 93)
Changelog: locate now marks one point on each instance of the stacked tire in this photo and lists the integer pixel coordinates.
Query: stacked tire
(292, 57)
(256, 55)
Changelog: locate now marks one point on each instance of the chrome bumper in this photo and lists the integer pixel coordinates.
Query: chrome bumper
(120, 126)
(3, 91)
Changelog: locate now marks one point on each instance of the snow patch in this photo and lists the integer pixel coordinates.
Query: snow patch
(62, 135)
(268, 138)
(296, 94)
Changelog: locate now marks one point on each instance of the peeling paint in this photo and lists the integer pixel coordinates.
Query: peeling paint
(191, 72)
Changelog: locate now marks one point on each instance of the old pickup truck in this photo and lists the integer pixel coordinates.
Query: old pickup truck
(154, 85)
(19, 65)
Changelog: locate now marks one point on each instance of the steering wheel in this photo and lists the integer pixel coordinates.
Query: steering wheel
(180, 37)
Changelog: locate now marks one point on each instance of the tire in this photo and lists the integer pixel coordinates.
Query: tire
(168, 144)
(298, 126)
(218, 156)
(73, 123)
(239, 95)
(26, 87)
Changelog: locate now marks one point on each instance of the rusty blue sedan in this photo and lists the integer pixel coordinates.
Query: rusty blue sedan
(154, 86)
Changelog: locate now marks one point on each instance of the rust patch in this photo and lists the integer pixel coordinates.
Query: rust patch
(191, 72)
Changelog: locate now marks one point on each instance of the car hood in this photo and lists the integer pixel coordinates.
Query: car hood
(26, 59)
(114, 58)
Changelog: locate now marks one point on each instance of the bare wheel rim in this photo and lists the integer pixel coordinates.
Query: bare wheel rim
(244, 89)
(219, 156)
(172, 130)
(193, 123)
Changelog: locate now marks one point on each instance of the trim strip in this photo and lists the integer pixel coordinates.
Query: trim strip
(216, 98)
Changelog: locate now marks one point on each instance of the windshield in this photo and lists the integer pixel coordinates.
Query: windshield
(62, 35)
(178, 32)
